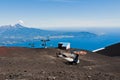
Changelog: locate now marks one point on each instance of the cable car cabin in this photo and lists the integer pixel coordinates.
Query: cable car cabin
(64, 45)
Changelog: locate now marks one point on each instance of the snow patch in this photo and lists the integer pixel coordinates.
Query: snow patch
(98, 49)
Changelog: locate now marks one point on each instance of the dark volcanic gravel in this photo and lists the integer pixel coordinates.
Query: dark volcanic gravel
(112, 50)
(42, 64)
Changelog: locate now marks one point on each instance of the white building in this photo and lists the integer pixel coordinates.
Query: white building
(64, 45)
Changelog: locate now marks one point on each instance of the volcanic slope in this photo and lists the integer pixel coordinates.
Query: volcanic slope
(112, 50)
(42, 64)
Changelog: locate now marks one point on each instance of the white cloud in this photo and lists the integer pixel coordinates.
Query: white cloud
(20, 22)
(80, 23)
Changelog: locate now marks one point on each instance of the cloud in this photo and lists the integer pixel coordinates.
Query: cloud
(20, 22)
(74, 23)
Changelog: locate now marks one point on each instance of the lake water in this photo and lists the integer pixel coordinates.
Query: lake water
(81, 43)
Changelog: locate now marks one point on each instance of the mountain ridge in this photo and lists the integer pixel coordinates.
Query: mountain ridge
(8, 29)
(18, 32)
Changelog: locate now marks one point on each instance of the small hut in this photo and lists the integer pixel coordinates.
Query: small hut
(64, 45)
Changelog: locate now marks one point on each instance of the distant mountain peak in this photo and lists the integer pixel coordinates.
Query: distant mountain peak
(18, 25)
(18, 30)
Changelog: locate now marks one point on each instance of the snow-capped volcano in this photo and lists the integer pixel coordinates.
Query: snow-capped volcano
(11, 26)
(19, 32)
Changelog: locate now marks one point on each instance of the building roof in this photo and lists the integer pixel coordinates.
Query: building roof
(64, 43)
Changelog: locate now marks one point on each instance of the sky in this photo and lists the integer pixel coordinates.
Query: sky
(60, 14)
